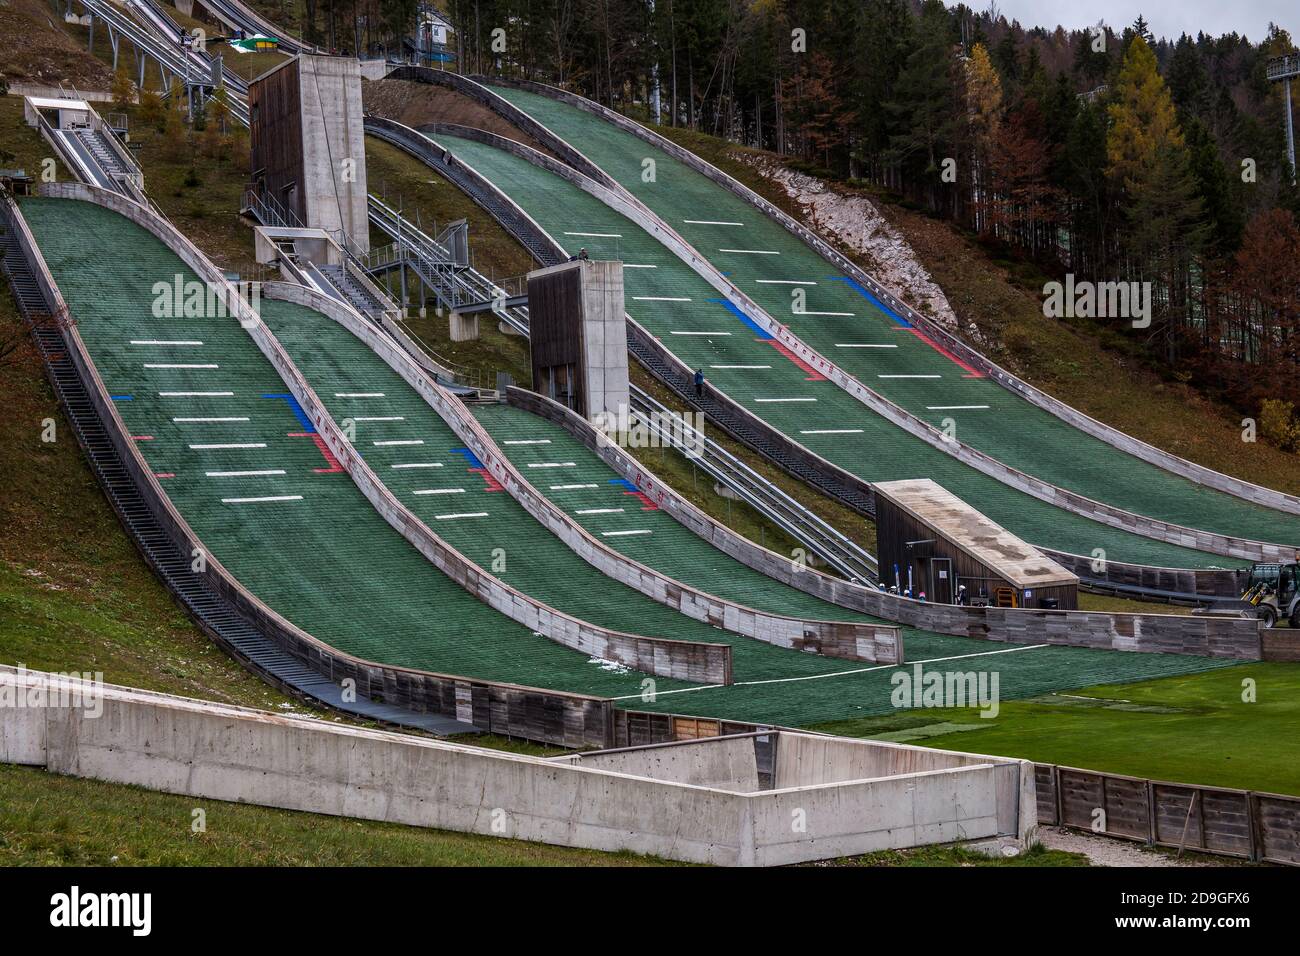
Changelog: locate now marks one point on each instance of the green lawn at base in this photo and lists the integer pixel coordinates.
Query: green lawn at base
(1187, 729)
(958, 856)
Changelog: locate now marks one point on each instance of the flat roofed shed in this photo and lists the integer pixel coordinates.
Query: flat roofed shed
(961, 527)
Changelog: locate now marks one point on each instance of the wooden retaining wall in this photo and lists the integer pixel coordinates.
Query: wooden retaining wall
(1262, 827)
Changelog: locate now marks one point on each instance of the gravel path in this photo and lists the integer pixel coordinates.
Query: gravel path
(1108, 851)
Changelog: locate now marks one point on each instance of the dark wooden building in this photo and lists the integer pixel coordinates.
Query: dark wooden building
(307, 146)
(933, 543)
(578, 335)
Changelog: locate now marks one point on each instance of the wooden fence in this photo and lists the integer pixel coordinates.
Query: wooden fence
(1262, 827)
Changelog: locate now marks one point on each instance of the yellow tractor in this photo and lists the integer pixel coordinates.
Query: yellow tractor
(1273, 593)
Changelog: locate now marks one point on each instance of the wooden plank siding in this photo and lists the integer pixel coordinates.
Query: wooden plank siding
(1263, 827)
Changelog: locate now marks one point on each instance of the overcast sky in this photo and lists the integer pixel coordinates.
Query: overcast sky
(1168, 18)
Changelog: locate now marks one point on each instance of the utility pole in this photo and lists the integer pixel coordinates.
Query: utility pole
(1284, 68)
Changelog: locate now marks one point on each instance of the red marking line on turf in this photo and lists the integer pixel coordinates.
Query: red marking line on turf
(813, 374)
(335, 467)
(974, 373)
(492, 483)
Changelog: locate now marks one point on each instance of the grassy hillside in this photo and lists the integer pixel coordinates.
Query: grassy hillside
(1094, 370)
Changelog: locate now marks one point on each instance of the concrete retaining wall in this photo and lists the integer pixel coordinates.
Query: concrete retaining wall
(572, 720)
(683, 660)
(1246, 490)
(878, 644)
(1158, 633)
(237, 754)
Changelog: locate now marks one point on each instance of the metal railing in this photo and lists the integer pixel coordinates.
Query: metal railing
(269, 211)
(1281, 67)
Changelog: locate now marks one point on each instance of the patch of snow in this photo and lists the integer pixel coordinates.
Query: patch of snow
(605, 665)
(857, 224)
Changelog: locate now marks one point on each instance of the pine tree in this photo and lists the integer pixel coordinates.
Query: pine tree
(922, 106)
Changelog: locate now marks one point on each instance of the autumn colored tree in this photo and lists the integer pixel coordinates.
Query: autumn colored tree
(175, 144)
(152, 110)
(984, 110)
(122, 89)
(1142, 116)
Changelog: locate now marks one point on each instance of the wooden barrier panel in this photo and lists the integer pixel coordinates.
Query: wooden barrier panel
(1262, 827)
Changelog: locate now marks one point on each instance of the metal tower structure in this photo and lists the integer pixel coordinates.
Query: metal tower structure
(1284, 68)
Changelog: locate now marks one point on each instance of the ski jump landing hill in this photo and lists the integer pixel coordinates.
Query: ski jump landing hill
(1114, 510)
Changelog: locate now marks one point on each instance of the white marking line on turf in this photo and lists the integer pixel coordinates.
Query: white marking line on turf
(527, 441)
(250, 444)
(661, 298)
(358, 394)
(419, 464)
(952, 408)
(831, 431)
(195, 394)
(711, 222)
(247, 501)
(401, 441)
(676, 332)
(865, 345)
(245, 474)
(466, 514)
(599, 511)
(823, 313)
(858, 670)
(181, 365)
(552, 464)
(232, 418)
(619, 534)
(571, 487)
(439, 491)
(166, 342)
(785, 282)
(785, 399)
(753, 252)
(740, 366)
(630, 265)
(378, 418)
(908, 376)
(597, 235)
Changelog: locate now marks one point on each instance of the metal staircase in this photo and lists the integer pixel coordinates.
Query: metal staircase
(103, 153)
(357, 295)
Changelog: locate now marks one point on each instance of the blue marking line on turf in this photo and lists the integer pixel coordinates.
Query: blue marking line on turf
(735, 310)
(469, 456)
(297, 410)
(862, 291)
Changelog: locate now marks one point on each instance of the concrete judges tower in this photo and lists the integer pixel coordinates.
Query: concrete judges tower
(308, 144)
(579, 335)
